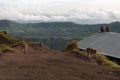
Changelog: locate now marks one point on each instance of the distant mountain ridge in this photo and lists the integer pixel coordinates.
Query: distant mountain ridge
(53, 34)
(53, 29)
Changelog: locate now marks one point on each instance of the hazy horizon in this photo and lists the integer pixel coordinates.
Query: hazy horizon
(78, 11)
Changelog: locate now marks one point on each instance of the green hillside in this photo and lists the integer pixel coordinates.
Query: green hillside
(52, 29)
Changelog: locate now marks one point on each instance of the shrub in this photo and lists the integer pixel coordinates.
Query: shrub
(71, 45)
(5, 32)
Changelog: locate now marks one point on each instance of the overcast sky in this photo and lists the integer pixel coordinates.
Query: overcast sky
(80, 11)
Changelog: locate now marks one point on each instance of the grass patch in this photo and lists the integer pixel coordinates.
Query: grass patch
(99, 58)
(20, 42)
(5, 39)
(6, 48)
(79, 52)
(105, 61)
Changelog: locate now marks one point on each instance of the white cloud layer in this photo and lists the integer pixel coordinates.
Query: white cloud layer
(80, 11)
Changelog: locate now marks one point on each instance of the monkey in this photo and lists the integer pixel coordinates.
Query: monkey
(102, 29)
(107, 29)
(24, 46)
(91, 52)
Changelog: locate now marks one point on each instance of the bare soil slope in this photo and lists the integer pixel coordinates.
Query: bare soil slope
(40, 63)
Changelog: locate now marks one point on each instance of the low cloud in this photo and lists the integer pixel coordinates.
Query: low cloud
(87, 16)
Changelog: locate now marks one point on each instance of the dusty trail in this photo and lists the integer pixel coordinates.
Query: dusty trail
(40, 63)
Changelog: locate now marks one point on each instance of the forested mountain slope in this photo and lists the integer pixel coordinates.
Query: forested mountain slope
(53, 32)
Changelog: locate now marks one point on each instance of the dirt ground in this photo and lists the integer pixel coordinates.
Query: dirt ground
(43, 64)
